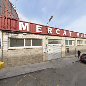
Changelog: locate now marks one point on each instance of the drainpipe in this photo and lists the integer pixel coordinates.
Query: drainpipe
(2, 46)
(75, 47)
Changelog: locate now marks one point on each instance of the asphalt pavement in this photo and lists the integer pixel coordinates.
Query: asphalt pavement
(67, 73)
(14, 71)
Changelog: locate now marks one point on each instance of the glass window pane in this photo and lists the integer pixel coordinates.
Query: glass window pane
(66, 42)
(36, 42)
(54, 41)
(16, 42)
(85, 42)
(79, 42)
(70, 42)
(27, 42)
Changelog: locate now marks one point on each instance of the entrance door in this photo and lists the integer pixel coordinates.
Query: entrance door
(54, 51)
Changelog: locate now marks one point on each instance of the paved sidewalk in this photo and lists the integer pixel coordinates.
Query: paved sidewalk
(14, 71)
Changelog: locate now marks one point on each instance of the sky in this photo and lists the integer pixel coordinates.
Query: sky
(67, 14)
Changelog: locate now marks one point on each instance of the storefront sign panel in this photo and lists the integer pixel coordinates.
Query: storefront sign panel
(16, 25)
(40, 29)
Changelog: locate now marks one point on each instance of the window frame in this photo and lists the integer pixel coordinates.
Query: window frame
(35, 39)
(79, 42)
(55, 43)
(68, 44)
(16, 40)
(85, 42)
(9, 47)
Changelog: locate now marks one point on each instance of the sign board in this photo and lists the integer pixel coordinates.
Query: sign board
(27, 27)
(46, 30)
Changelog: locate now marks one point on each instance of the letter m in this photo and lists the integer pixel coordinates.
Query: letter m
(23, 26)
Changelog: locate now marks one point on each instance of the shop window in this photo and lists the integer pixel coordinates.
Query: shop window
(27, 42)
(85, 42)
(54, 41)
(66, 42)
(36, 42)
(69, 42)
(15, 42)
(79, 42)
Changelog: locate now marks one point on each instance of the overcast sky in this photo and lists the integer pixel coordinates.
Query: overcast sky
(67, 14)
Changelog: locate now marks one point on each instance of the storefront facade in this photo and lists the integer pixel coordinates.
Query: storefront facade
(25, 43)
